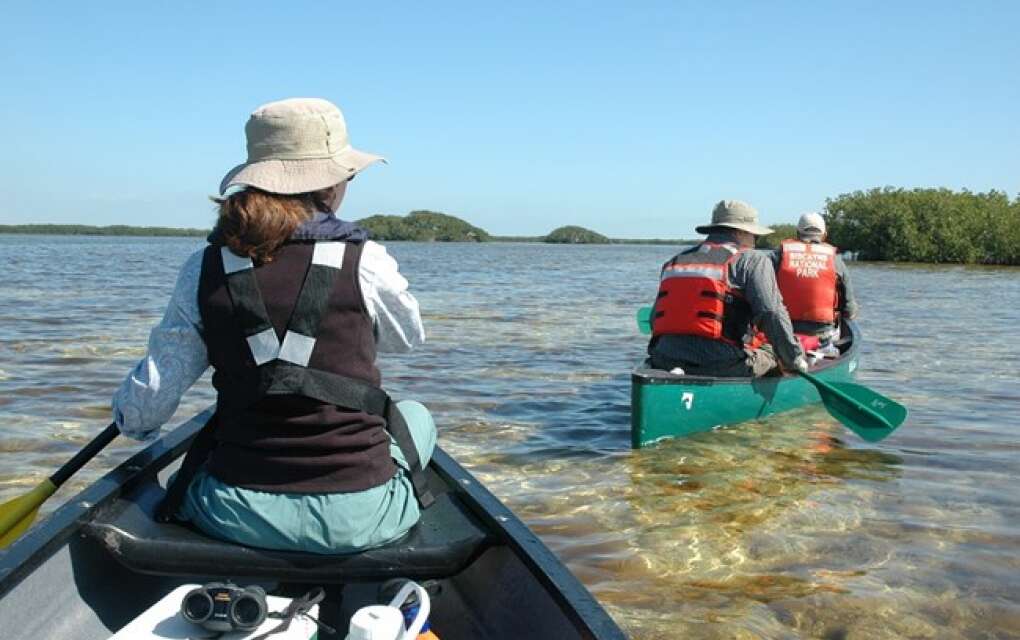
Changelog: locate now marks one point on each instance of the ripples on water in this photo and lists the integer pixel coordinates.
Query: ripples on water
(785, 528)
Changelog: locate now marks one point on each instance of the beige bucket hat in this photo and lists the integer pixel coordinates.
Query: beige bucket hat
(735, 214)
(295, 146)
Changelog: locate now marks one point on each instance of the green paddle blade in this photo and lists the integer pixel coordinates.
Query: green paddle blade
(17, 515)
(644, 320)
(867, 413)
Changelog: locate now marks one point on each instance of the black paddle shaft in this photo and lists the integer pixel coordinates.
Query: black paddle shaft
(88, 452)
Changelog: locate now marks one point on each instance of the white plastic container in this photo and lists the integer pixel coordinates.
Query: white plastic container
(386, 622)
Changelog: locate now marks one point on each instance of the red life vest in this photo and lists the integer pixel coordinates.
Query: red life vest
(807, 280)
(696, 298)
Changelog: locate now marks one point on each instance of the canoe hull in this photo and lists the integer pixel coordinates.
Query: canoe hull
(668, 406)
(77, 574)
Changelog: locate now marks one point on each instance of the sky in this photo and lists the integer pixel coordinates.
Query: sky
(632, 119)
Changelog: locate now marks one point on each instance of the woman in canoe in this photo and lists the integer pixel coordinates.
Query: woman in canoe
(289, 305)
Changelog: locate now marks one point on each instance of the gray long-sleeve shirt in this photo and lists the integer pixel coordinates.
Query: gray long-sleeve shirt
(847, 301)
(754, 274)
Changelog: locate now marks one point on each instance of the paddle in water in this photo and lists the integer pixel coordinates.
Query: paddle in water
(864, 411)
(17, 515)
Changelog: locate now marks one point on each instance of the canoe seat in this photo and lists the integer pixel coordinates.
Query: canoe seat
(445, 541)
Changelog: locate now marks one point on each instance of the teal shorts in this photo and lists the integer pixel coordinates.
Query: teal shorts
(329, 523)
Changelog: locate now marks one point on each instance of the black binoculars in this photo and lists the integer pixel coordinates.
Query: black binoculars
(222, 606)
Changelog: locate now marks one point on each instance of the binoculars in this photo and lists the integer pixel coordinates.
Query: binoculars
(222, 606)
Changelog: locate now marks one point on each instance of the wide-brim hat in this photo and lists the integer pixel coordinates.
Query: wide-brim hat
(734, 214)
(296, 146)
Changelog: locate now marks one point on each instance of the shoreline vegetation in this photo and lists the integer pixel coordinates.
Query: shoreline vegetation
(91, 230)
(417, 226)
(931, 226)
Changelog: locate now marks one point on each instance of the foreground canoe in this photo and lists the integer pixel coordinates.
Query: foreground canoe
(663, 405)
(100, 560)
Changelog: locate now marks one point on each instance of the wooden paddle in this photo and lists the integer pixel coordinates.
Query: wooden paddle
(864, 411)
(18, 514)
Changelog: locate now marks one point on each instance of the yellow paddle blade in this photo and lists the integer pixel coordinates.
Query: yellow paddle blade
(17, 515)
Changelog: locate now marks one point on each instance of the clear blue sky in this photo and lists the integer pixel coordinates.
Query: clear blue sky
(630, 118)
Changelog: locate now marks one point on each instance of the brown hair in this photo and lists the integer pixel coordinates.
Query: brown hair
(254, 223)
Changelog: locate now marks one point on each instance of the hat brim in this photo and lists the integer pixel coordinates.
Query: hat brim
(755, 229)
(299, 176)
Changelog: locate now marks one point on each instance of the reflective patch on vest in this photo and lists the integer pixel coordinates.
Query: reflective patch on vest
(329, 254)
(265, 347)
(693, 271)
(807, 262)
(233, 262)
(297, 348)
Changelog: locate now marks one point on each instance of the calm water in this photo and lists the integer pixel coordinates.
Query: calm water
(787, 528)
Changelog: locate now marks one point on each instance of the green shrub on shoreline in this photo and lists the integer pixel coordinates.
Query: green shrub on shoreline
(926, 225)
(779, 233)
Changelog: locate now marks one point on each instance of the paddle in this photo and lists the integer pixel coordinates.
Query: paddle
(867, 413)
(18, 514)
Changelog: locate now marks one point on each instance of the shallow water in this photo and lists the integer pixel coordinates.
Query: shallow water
(785, 528)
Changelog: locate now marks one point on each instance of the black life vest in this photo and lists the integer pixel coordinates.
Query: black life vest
(299, 406)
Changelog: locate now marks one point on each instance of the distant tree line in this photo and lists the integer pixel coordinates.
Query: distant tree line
(916, 225)
(927, 225)
(89, 230)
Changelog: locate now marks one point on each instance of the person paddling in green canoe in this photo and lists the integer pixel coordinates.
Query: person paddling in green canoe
(289, 306)
(715, 296)
(815, 283)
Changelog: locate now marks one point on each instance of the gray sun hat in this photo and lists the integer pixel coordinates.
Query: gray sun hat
(734, 214)
(296, 146)
(811, 225)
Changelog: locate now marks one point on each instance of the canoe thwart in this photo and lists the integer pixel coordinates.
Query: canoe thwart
(443, 543)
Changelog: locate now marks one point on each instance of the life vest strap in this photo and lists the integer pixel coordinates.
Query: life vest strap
(397, 427)
(249, 308)
(284, 378)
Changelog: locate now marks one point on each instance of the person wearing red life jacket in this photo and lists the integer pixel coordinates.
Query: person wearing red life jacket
(714, 297)
(814, 280)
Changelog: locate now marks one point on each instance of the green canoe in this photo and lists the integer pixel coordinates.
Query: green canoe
(663, 405)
